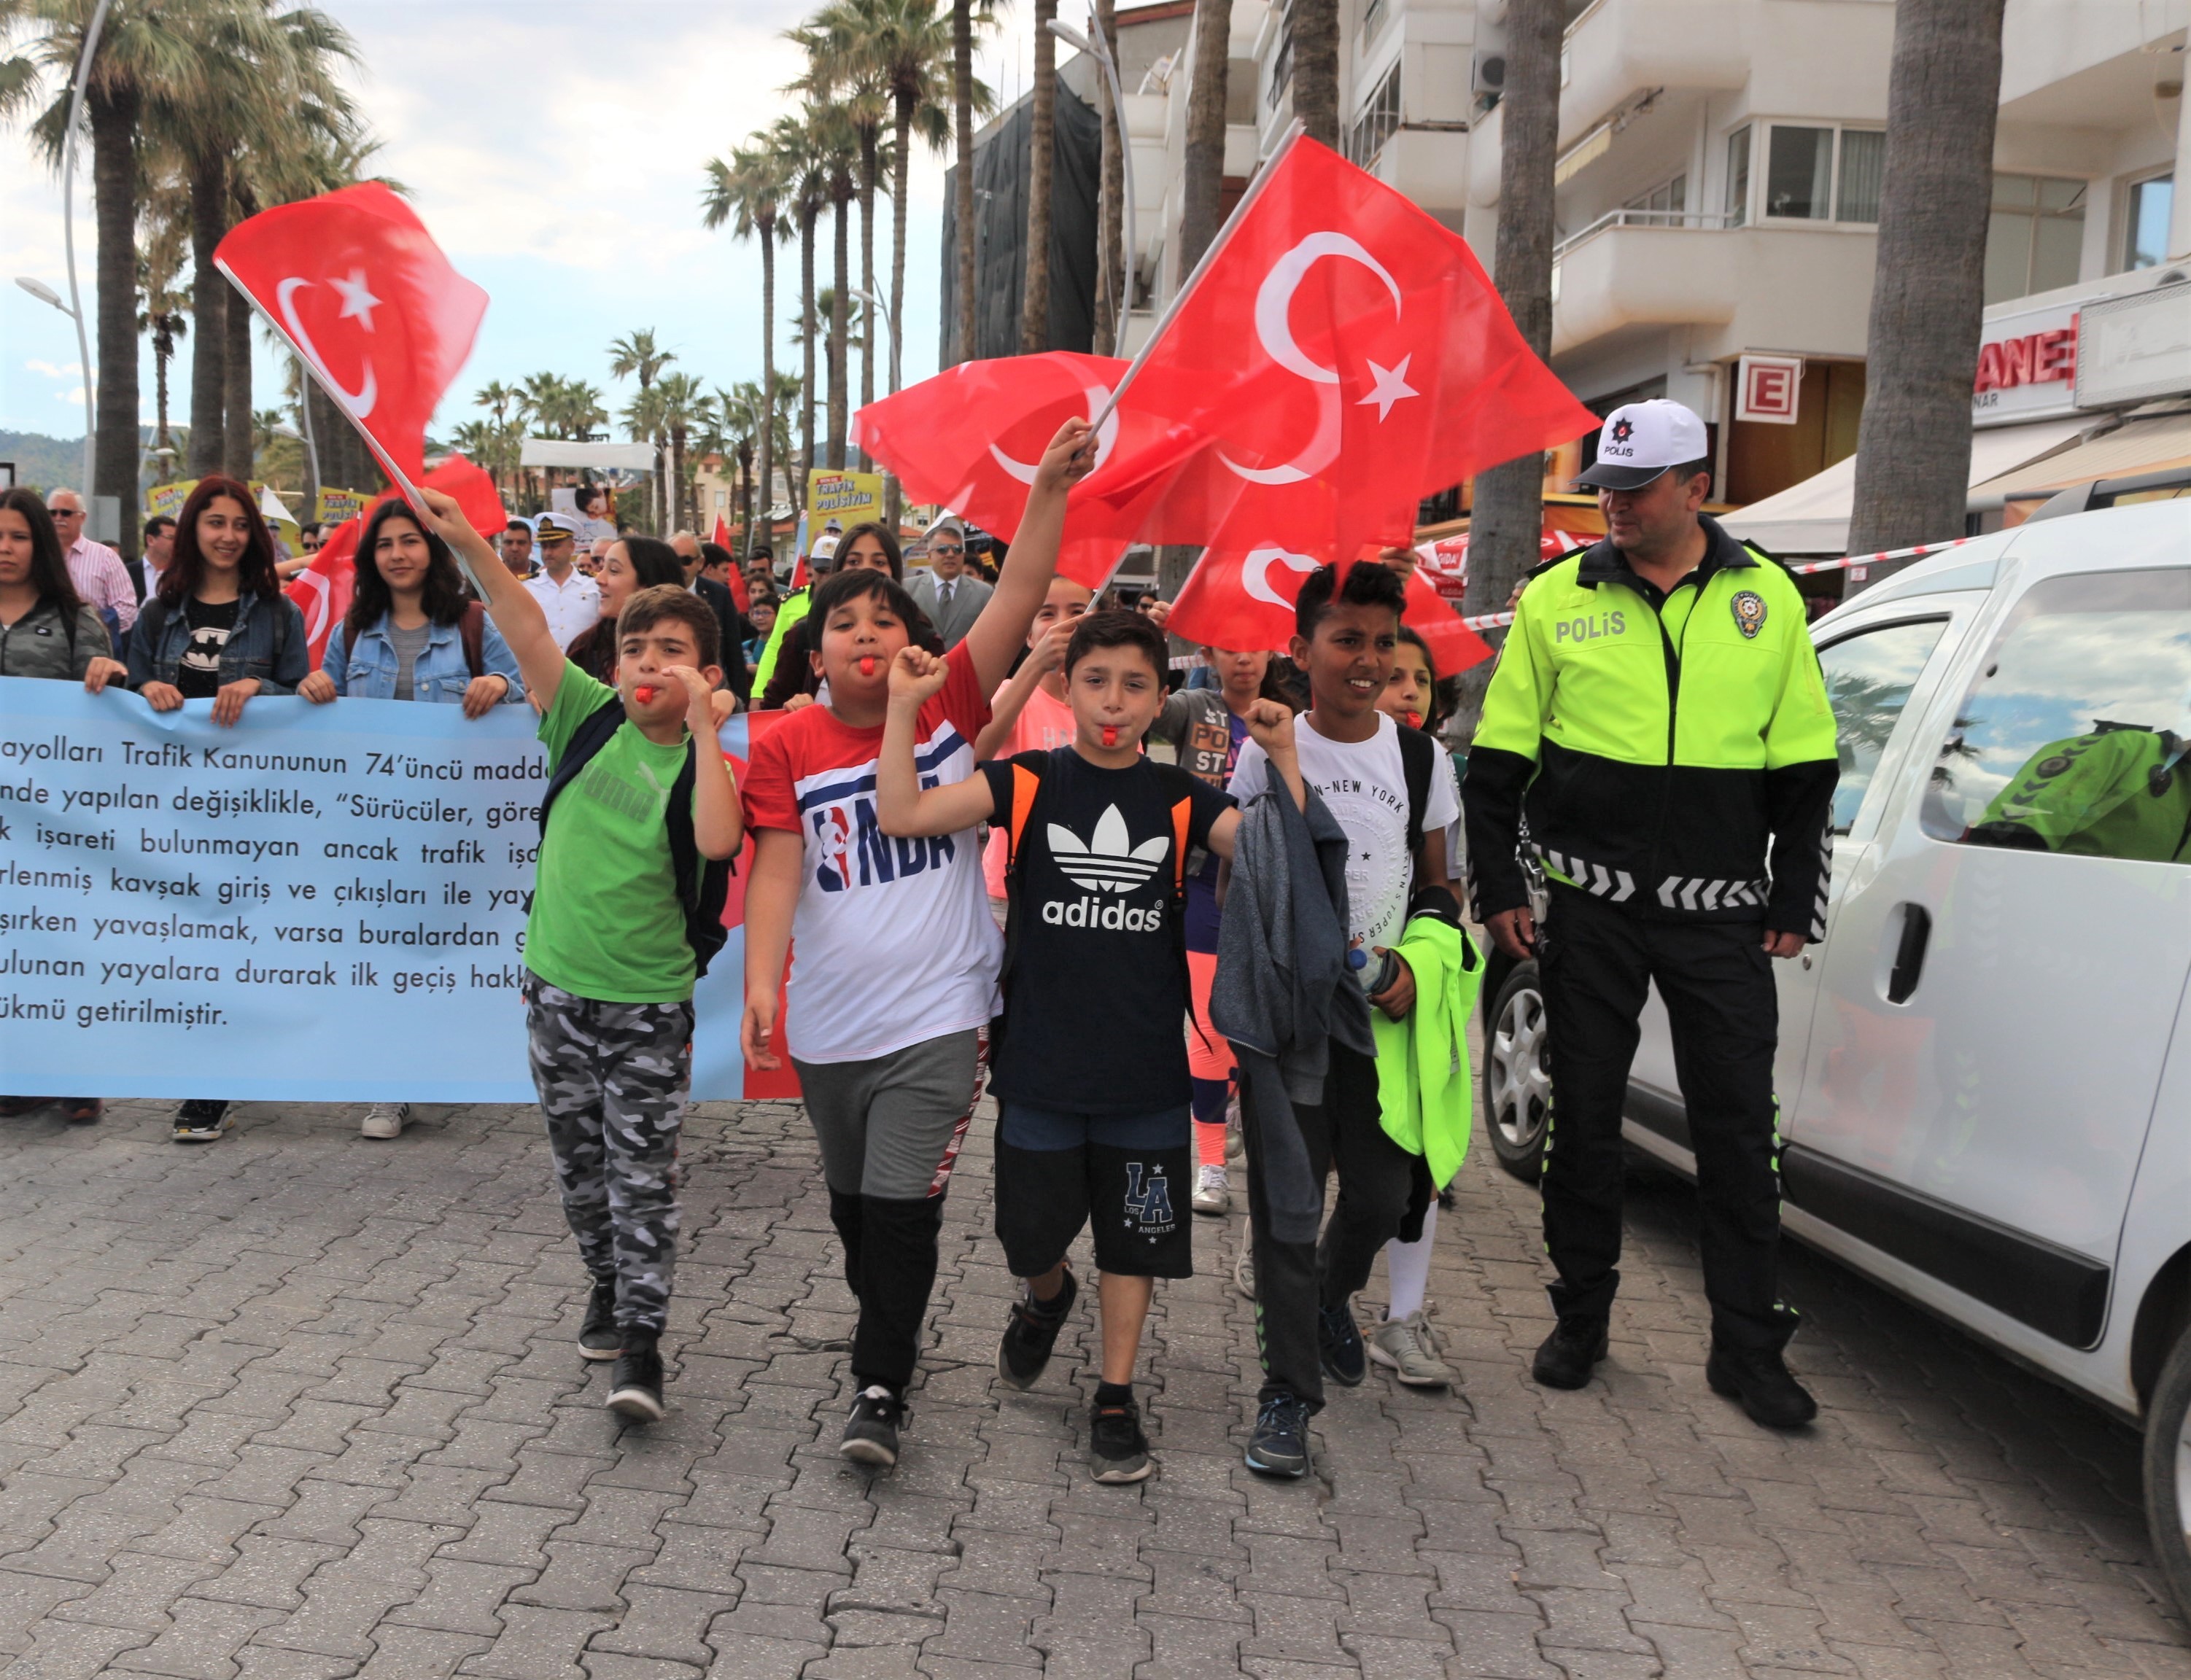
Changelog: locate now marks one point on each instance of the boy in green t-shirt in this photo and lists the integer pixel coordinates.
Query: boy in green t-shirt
(608, 990)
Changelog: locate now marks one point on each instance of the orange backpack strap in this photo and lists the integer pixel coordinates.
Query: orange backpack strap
(1025, 784)
(1182, 815)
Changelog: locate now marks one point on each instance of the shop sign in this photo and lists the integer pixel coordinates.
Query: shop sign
(2027, 366)
(1768, 389)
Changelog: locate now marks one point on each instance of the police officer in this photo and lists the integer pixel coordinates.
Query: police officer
(1659, 716)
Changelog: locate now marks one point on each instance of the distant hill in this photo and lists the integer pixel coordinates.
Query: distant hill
(40, 462)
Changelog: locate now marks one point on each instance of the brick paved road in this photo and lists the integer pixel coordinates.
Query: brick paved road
(302, 1407)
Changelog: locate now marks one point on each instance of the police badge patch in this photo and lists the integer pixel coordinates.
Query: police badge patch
(1748, 613)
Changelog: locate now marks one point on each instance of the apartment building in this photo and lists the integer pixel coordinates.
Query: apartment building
(1718, 187)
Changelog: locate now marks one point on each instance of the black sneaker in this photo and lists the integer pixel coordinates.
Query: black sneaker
(598, 1338)
(1759, 1378)
(1278, 1446)
(871, 1432)
(1117, 1450)
(1031, 1333)
(635, 1384)
(200, 1121)
(1338, 1346)
(1565, 1359)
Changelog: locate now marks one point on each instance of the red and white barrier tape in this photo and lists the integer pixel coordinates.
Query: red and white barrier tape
(1498, 621)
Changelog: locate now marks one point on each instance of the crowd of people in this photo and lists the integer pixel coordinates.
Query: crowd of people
(1181, 933)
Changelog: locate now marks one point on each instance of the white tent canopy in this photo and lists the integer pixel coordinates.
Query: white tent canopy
(1812, 517)
(602, 458)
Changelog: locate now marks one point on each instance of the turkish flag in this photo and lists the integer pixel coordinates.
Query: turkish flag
(1454, 646)
(1242, 595)
(324, 589)
(357, 286)
(472, 489)
(721, 539)
(1343, 355)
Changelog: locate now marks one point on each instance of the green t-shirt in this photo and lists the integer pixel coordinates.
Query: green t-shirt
(605, 921)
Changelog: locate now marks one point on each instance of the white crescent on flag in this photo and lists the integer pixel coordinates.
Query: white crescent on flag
(360, 401)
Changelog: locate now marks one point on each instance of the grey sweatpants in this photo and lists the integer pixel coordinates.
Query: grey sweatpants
(612, 1078)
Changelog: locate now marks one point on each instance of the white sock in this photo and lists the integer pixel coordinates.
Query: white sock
(1408, 1266)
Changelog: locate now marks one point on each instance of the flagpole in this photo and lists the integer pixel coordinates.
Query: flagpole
(411, 493)
(1294, 133)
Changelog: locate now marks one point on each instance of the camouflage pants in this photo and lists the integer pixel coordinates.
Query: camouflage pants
(612, 1078)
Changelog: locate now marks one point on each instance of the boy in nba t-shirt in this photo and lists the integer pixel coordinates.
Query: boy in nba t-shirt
(1090, 1072)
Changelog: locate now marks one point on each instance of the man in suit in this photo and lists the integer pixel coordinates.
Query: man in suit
(951, 596)
(737, 631)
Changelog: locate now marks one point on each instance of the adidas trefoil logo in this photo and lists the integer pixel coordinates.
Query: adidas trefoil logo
(1110, 861)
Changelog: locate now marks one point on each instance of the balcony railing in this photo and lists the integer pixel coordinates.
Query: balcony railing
(1643, 219)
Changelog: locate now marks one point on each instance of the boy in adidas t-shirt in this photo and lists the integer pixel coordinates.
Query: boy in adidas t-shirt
(896, 971)
(1089, 1067)
(609, 963)
(1346, 636)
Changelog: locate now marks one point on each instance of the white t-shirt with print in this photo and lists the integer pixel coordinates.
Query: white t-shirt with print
(1365, 786)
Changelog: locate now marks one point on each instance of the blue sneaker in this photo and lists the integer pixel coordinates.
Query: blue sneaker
(1338, 1346)
(1279, 1444)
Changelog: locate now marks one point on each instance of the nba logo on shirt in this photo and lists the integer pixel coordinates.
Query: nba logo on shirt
(857, 853)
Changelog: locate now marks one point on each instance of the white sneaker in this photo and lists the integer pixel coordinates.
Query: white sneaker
(1212, 1191)
(385, 1120)
(1244, 1269)
(1236, 1142)
(1408, 1348)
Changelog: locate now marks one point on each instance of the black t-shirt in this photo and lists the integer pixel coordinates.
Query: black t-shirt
(1096, 1004)
(197, 676)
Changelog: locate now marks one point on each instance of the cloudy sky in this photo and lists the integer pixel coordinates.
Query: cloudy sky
(554, 149)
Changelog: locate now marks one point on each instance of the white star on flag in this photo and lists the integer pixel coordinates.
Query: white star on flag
(1391, 384)
(359, 304)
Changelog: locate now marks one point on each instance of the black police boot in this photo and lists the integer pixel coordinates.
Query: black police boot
(1758, 1377)
(1565, 1359)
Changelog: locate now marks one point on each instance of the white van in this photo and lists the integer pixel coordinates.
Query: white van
(1984, 1071)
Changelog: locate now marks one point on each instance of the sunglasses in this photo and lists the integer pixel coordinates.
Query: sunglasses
(944, 549)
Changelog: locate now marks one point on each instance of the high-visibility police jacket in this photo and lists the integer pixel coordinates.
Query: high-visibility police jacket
(2122, 792)
(1676, 753)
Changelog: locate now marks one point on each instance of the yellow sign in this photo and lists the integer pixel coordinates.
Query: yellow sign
(338, 505)
(166, 500)
(849, 498)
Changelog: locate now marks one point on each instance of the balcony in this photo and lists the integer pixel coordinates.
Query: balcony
(1619, 48)
(1769, 287)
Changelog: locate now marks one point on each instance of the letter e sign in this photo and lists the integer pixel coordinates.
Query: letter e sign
(1768, 388)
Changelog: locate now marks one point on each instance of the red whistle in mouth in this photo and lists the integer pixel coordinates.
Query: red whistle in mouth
(1110, 734)
(1415, 720)
(867, 665)
(645, 694)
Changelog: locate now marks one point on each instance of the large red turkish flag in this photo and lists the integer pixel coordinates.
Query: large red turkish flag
(358, 287)
(1241, 595)
(1342, 356)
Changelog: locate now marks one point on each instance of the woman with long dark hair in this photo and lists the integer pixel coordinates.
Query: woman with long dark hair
(46, 631)
(786, 671)
(220, 628)
(411, 634)
(631, 564)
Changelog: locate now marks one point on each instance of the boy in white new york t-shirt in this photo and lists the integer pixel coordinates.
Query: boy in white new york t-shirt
(897, 954)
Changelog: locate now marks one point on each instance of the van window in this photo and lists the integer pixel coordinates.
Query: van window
(1869, 676)
(2073, 740)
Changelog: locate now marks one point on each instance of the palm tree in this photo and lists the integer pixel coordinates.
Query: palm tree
(839, 154)
(962, 106)
(906, 40)
(1042, 144)
(1110, 283)
(149, 57)
(1928, 284)
(857, 317)
(1507, 522)
(166, 312)
(1202, 187)
(747, 191)
(1316, 68)
(683, 408)
(806, 178)
(636, 353)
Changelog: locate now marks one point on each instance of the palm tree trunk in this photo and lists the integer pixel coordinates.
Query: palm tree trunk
(900, 160)
(209, 295)
(767, 387)
(236, 450)
(1316, 68)
(679, 506)
(807, 214)
(1928, 287)
(839, 336)
(869, 164)
(1203, 188)
(1506, 525)
(115, 446)
(1109, 282)
(163, 352)
(1042, 158)
(962, 97)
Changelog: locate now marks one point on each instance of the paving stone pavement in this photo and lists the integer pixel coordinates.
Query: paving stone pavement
(298, 1406)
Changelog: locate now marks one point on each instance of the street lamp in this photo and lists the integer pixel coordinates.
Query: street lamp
(282, 428)
(1100, 50)
(889, 327)
(46, 294)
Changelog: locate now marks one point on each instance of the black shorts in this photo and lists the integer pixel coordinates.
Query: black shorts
(1132, 1173)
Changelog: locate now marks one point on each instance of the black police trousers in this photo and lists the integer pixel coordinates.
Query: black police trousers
(1596, 964)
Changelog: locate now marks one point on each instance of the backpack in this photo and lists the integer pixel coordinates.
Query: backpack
(1419, 761)
(703, 884)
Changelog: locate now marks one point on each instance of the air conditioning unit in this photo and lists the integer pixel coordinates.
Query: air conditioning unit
(1487, 72)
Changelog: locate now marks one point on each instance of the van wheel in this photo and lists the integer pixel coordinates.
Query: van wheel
(2168, 1470)
(1517, 1082)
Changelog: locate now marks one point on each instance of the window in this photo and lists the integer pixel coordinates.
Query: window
(1671, 196)
(1282, 61)
(1737, 178)
(1373, 19)
(1869, 676)
(2071, 741)
(2035, 237)
(1801, 173)
(1379, 121)
(2146, 246)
